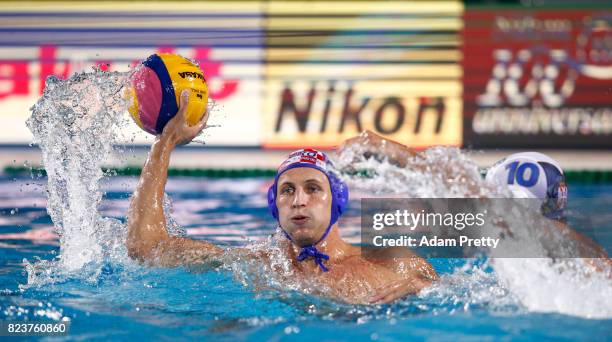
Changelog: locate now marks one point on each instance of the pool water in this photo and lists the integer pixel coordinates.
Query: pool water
(123, 300)
(85, 276)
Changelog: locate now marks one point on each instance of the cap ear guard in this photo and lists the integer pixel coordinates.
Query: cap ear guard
(556, 192)
(340, 196)
(272, 201)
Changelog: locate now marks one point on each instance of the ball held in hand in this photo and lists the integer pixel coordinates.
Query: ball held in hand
(156, 88)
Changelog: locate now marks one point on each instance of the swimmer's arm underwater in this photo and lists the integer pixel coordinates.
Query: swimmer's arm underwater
(148, 240)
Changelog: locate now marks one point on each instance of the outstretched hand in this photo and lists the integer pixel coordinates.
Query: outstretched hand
(177, 131)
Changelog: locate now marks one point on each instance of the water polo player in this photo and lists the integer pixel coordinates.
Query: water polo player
(527, 174)
(537, 176)
(306, 199)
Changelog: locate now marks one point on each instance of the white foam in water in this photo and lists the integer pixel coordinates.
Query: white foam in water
(538, 284)
(75, 124)
(564, 287)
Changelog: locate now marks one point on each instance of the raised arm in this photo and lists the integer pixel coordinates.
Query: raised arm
(370, 144)
(148, 240)
(374, 145)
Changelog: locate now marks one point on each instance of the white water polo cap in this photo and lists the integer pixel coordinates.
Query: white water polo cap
(533, 175)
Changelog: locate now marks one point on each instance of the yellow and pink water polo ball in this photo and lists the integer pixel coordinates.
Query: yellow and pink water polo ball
(156, 88)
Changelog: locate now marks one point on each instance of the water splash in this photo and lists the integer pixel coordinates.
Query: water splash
(439, 172)
(537, 284)
(567, 287)
(75, 123)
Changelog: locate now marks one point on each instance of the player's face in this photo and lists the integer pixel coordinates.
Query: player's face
(304, 201)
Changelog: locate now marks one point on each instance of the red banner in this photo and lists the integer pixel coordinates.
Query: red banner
(537, 78)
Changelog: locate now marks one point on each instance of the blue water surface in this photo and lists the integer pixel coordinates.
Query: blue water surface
(129, 302)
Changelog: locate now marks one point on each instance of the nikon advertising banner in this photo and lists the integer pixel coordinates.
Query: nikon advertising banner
(335, 69)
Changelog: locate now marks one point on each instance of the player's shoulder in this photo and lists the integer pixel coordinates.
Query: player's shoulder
(387, 252)
(394, 258)
(402, 261)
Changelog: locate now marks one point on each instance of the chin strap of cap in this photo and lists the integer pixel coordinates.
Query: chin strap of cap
(311, 251)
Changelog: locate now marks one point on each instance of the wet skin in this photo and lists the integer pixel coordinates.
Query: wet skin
(304, 202)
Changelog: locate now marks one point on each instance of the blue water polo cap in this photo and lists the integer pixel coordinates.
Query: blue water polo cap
(339, 190)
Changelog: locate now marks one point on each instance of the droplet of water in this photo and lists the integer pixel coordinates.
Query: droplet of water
(292, 329)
